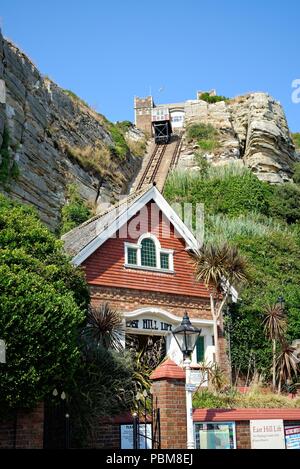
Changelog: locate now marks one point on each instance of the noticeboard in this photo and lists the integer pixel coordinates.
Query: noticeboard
(126, 432)
(292, 436)
(267, 434)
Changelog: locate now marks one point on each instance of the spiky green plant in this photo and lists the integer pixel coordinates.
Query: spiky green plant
(104, 327)
(274, 326)
(286, 364)
(220, 267)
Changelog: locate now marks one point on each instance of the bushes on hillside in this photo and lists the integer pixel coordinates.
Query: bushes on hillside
(75, 211)
(221, 190)
(263, 222)
(204, 135)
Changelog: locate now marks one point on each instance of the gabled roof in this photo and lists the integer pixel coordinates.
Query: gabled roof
(83, 240)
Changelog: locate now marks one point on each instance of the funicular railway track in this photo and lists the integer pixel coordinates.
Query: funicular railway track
(164, 158)
(153, 166)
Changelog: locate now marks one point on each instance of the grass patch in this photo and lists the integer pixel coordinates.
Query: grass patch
(75, 98)
(231, 190)
(94, 159)
(204, 135)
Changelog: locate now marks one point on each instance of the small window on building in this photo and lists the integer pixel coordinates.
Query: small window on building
(164, 260)
(131, 256)
(200, 349)
(213, 340)
(148, 253)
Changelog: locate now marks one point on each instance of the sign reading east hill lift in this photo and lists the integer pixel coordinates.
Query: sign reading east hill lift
(267, 434)
(149, 324)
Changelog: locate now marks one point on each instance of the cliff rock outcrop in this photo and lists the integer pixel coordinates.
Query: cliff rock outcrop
(50, 132)
(252, 129)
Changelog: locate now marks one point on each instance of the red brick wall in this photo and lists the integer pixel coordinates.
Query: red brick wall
(106, 436)
(27, 431)
(124, 299)
(243, 440)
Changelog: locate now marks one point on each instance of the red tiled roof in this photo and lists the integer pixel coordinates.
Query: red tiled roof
(222, 415)
(168, 369)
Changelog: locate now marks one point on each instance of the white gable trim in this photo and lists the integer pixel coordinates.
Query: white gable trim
(132, 210)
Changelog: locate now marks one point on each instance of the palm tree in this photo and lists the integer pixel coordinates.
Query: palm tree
(104, 327)
(286, 364)
(220, 267)
(274, 327)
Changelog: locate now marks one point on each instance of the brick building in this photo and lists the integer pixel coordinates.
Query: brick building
(136, 256)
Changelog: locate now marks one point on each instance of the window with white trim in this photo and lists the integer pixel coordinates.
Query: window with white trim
(148, 254)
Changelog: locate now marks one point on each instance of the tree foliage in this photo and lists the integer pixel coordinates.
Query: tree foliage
(43, 300)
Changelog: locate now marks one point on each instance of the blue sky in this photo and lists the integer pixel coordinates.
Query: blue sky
(109, 51)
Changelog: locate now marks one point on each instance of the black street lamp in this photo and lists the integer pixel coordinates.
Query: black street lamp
(281, 302)
(186, 336)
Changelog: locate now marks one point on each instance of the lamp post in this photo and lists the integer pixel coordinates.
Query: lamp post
(186, 336)
(281, 302)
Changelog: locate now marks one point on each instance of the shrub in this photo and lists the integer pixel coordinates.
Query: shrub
(75, 211)
(120, 147)
(296, 175)
(43, 300)
(285, 202)
(223, 190)
(212, 99)
(8, 167)
(296, 139)
(205, 135)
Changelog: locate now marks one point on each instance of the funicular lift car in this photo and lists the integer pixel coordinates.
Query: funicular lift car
(161, 124)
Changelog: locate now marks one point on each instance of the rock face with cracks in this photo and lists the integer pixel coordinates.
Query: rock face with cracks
(48, 131)
(252, 129)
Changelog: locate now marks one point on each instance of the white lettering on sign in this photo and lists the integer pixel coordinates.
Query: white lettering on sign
(267, 434)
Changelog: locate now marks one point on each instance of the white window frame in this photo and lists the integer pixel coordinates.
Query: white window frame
(158, 250)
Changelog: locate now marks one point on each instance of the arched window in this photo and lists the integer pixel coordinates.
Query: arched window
(148, 253)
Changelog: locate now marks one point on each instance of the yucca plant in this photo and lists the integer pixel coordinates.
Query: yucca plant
(219, 266)
(104, 327)
(274, 326)
(286, 364)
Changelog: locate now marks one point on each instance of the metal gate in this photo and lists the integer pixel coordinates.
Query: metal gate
(56, 424)
(147, 414)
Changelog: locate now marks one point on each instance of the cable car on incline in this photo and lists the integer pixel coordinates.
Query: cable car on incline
(161, 123)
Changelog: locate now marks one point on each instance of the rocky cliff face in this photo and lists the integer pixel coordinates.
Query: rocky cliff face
(48, 129)
(252, 130)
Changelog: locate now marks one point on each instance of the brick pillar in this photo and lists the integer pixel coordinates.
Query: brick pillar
(168, 390)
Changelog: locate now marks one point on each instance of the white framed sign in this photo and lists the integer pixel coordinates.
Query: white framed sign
(126, 431)
(267, 434)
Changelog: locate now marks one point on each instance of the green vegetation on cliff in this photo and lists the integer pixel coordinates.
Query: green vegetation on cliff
(8, 167)
(75, 211)
(212, 99)
(263, 221)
